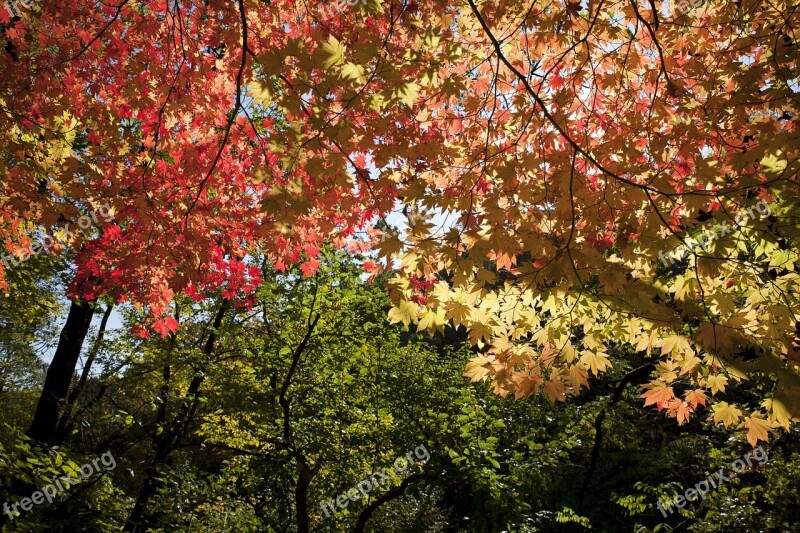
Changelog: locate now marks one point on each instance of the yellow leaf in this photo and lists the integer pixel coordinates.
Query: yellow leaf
(332, 51)
(479, 367)
(727, 414)
(757, 428)
(596, 362)
(717, 383)
(412, 261)
(685, 286)
(480, 326)
(407, 92)
(432, 320)
(772, 163)
(690, 363)
(405, 312)
(458, 312)
(260, 92)
(675, 343)
(659, 393)
(351, 71)
(440, 294)
(778, 413)
(714, 338)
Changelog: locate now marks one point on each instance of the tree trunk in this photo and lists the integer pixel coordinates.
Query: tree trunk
(68, 417)
(169, 439)
(304, 477)
(396, 492)
(60, 373)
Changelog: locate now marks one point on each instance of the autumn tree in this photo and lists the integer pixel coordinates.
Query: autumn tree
(165, 113)
(565, 145)
(584, 144)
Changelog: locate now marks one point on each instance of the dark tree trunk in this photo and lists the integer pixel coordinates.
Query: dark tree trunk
(161, 449)
(304, 477)
(169, 439)
(60, 373)
(396, 492)
(68, 417)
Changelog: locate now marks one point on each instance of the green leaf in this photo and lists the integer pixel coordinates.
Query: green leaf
(332, 51)
(351, 71)
(407, 92)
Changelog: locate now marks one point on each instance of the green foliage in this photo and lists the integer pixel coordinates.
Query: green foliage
(91, 505)
(278, 399)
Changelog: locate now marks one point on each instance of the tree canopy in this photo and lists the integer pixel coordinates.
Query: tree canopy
(585, 193)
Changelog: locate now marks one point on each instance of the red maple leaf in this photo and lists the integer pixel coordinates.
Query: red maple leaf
(165, 326)
(309, 268)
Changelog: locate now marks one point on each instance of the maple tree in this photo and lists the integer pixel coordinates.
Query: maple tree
(585, 142)
(567, 143)
(165, 113)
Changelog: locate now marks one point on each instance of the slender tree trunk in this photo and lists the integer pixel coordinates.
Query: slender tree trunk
(396, 492)
(304, 477)
(60, 373)
(136, 520)
(67, 419)
(161, 449)
(304, 473)
(169, 439)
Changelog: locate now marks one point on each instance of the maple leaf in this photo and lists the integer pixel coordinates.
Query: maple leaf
(432, 320)
(165, 326)
(479, 367)
(658, 393)
(405, 312)
(332, 52)
(309, 267)
(351, 71)
(726, 413)
(683, 412)
(573, 8)
(525, 387)
(480, 326)
(554, 390)
(779, 415)
(717, 383)
(773, 163)
(407, 92)
(696, 397)
(140, 332)
(556, 81)
(714, 338)
(595, 362)
(757, 428)
(675, 344)
(458, 312)
(577, 376)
